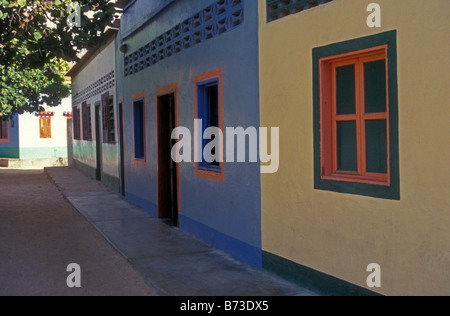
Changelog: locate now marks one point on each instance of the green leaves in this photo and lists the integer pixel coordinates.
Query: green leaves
(30, 45)
(37, 35)
(27, 89)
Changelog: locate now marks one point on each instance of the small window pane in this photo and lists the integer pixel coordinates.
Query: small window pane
(345, 90)
(139, 130)
(111, 122)
(45, 125)
(213, 105)
(213, 109)
(376, 146)
(3, 129)
(208, 111)
(375, 86)
(347, 155)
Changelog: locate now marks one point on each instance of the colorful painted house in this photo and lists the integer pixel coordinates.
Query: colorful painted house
(94, 111)
(363, 178)
(188, 60)
(363, 133)
(35, 139)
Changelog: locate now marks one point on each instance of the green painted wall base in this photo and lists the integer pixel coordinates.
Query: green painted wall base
(315, 281)
(31, 153)
(87, 170)
(9, 152)
(43, 152)
(108, 180)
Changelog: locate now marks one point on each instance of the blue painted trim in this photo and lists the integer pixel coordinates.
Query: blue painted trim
(236, 248)
(145, 205)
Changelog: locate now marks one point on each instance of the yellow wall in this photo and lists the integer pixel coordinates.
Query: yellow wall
(340, 234)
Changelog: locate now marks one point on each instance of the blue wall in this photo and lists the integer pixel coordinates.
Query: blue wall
(11, 149)
(224, 214)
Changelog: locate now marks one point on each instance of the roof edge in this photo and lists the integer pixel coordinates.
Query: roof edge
(86, 57)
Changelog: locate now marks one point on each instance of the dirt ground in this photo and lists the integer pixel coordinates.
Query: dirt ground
(41, 234)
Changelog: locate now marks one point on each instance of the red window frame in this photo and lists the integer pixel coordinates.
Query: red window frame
(4, 138)
(76, 123)
(330, 118)
(87, 121)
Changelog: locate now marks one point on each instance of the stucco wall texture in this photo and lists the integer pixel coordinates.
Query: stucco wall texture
(24, 135)
(341, 234)
(225, 214)
(84, 151)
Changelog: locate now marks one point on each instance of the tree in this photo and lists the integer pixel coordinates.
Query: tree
(36, 46)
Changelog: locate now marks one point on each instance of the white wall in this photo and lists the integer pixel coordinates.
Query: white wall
(29, 131)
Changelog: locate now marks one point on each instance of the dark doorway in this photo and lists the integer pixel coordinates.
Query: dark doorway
(167, 168)
(98, 142)
(122, 150)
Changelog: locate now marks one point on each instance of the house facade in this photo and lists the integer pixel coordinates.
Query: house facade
(35, 139)
(363, 181)
(188, 60)
(358, 204)
(94, 112)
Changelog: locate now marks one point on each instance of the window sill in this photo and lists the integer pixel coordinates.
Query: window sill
(140, 162)
(381, 180)
(210, 173)
(215, 169)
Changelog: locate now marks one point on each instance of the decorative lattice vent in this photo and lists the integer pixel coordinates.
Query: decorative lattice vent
(102, 85)
(277, 9)
(215, 20)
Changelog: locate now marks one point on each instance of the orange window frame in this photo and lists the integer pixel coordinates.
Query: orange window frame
(330, 118)
(45, 127)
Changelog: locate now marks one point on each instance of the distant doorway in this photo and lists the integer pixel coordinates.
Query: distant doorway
(167, 168)
(98, 142)
(122, 150)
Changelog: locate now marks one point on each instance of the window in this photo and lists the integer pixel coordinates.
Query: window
(87, 122)
(76, 124)
(357, 148)
(109, 128)
(209, 109)
(356, 128)
(4, 131)
(45, 126)
(139, 128)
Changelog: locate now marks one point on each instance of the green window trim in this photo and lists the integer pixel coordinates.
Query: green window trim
(365, 189)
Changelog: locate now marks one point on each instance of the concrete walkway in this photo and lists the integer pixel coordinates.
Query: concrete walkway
(171, 261)
(41, 234)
